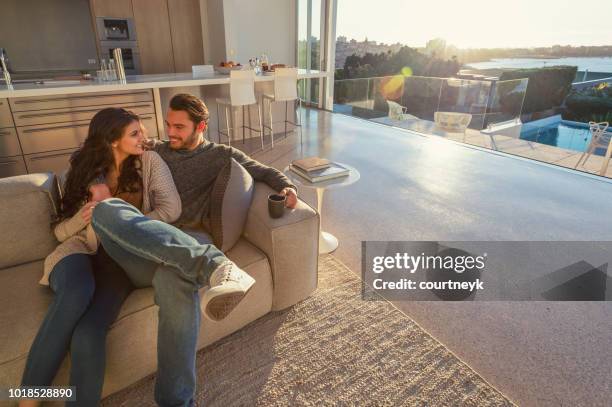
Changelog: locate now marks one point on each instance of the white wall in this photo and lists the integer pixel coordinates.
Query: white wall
(255, 27)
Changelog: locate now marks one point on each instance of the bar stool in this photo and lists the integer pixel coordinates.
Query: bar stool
(285, 90)
(242, 93)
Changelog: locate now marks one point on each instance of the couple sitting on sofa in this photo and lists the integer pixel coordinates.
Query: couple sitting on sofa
(118, 204)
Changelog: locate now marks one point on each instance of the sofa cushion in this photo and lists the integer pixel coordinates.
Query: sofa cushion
(28, 206)
(229, 205)
(23, 304)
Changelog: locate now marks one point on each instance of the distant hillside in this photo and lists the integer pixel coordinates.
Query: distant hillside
(439, 48)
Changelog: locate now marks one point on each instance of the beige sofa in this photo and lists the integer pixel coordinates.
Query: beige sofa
(281, 254)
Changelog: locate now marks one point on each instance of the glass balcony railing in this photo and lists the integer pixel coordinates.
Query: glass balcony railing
(506, 102)
(431, 104)
(485, 113)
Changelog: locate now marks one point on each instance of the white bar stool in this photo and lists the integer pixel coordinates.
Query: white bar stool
(242, 93)
(285, 90)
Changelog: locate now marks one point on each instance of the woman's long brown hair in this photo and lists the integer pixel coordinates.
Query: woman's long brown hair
(95, 157)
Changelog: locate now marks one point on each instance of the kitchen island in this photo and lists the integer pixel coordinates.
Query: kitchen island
(41, 125)
(157, 81)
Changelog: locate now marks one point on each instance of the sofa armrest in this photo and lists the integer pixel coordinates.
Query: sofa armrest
(291, 244)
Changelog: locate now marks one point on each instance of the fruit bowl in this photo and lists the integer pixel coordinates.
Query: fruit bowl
(225, 70)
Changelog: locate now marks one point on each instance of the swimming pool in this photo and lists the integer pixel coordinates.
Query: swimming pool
(564, 134)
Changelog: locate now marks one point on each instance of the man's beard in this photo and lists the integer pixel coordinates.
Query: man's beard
(189, 143)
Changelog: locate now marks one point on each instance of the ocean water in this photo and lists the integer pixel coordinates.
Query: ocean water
(600, 64)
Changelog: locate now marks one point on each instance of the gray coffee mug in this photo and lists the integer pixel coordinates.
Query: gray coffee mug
(276, 205)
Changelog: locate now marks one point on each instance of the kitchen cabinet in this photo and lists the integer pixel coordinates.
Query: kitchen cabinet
(74, 114)
(9, 144)
(6, 119)
(50, 128)
(79, 100)
(168, 32)
(60, 136)
(12, 166)
(53, 161)
(50, 137)
(186, 29)
(112, 8)
(154, 37)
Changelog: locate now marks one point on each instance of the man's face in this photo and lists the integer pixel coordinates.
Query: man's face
(182, 132)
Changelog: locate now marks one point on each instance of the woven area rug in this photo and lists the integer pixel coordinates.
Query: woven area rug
(331, 349)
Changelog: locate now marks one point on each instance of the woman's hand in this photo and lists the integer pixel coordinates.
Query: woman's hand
(88, 210)
(97, 193)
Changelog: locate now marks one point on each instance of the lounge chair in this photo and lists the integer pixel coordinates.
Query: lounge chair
(453, 121)
(398, 112)
(599, 139)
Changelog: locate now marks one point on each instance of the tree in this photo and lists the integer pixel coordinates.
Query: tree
(385, 64)
(436, 47)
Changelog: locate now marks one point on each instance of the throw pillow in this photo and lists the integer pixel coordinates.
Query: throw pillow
(230, 201)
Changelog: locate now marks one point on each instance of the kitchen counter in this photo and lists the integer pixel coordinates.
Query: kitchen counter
(156, 81)
(42, 124)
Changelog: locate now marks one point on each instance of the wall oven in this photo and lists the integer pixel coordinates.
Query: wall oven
(119, 33)
(115, 29)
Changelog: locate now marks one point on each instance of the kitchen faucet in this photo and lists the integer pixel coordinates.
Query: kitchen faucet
(3, 65)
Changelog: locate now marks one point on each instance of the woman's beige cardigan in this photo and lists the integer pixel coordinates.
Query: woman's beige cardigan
(160, 201)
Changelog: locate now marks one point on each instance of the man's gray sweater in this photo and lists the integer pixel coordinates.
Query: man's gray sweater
(194, 173)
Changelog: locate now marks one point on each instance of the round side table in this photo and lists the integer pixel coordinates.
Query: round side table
(327, 242)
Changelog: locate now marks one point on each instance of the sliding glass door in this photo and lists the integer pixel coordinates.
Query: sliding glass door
(311, 15)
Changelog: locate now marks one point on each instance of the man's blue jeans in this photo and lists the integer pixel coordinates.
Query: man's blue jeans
(155, 253)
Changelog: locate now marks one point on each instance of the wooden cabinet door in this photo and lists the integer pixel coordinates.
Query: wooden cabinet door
(154, 40)
(9, 143)
(6, 118)
(112, 8)
(186, 28)
(11, 166)
(52, 161)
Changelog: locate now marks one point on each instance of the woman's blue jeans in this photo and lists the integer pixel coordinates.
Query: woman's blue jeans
(89, 292)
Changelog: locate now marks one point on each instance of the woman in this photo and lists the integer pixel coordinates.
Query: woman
(89, 286)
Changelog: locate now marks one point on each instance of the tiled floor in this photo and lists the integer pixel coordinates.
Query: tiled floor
(506, 144)
(416, 187)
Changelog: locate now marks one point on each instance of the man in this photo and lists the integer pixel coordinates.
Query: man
(173, 262)
(195, 162)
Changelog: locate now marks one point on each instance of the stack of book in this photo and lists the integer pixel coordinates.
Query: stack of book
(315, 169)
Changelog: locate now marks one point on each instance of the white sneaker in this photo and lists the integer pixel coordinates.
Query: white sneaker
(228, 286)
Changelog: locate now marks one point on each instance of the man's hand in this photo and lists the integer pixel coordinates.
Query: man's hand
(99, 192)
(149, 143)
(292, 197)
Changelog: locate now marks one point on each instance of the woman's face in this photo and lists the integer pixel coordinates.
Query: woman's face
(131, 140)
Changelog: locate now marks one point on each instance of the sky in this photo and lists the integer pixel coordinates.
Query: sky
(478, 23)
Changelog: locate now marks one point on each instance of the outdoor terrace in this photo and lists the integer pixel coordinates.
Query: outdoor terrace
(491, 112)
